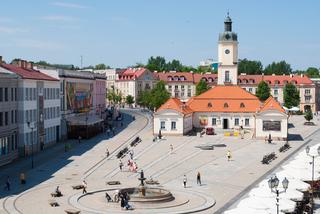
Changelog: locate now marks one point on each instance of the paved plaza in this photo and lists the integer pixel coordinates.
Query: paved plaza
(223, 181)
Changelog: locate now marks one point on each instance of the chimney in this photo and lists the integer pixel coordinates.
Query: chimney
(0, 60)
(24, 63)
(300, 74)
(191, 72)
(155, 71)
(29, 65)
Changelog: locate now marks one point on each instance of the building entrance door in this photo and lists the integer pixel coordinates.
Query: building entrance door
(225, 124)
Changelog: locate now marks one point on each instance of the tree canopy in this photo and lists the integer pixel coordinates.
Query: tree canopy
(155, 98)
(291, 96)
(263, 91)
(308, 115)
(201, 87)
(101, 66)
(129, 99)
(250, 66)
(278, 68)
(312, 72)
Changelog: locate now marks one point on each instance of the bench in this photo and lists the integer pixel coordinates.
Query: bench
(122, 152)
(152, 182)
(55, 194)
(113, 183)
(268, 158)
(135, 141)
(72, 211)
(78, 186)
(53, 203)
(285, 147)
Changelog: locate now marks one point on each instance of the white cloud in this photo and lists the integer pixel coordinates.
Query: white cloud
(59, 18)
(69, 5)
(11, 30)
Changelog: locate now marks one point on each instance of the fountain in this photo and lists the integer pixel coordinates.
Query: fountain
(144, 194)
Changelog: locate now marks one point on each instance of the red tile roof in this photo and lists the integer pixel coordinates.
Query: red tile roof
(225, 99)
(26, 73)
(131, 73)
(271, 104)
(177, 105)
(176, 77)
(273, 80)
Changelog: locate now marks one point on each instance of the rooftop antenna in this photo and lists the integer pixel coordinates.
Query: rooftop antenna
(228, 13)
(81, 61)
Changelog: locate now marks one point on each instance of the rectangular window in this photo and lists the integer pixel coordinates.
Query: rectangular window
(250, 90)
(16, 116)
(1, 118)
(214, 121)
(173, 125)
(6, 97)
(1, 94)
(307, 98)
(271, 125)
(12, 95)
(227, 76)
(15, 94)
(27, 94)
(236, 121)
(307, 91)
(275, 92)
(162, 125)
(12, 117)
(247, 122)
(276, 98)
(6, 118)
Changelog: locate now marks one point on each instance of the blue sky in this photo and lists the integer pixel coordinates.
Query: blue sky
(123, 32)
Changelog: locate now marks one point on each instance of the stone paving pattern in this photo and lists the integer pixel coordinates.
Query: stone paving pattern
(223, 181)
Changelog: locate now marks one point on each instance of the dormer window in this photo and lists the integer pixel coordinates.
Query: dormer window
(242, 105)
(170, 78)
(226, 105)
(285, 82)
(205, 79)
(176, 78)
(209, 105)
(277, 82)
(251, 80)
(294, 82)
(182, 78)
(210, 79)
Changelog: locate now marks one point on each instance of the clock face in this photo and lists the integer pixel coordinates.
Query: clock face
(227, 51)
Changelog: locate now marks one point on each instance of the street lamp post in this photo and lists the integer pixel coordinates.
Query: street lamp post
(87, 124)
(31, 127)
(273, 184)
(313, 156)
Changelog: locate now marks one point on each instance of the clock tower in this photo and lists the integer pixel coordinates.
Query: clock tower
(228, 55)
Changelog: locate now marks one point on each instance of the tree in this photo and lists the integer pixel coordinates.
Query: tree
(156, 63)
(144, 99)
(174, 65)
(278, 68)
(201, 87)
(114, 97)
(263, 91)
(129, 100)
(291, 96)
(312, 72)
(250, 66)
(101, 67)
(308, 115)
(159, 95)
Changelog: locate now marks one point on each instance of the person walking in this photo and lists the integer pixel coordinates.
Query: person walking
(199, 178)
(84, 189)
(171, 148)
(8, 183)
(228, 155)
(22, 178)
(107, 152)
(120, 165)
(79, 139)
(184, 181)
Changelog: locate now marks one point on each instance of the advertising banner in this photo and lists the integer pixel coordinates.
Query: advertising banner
(79, 96)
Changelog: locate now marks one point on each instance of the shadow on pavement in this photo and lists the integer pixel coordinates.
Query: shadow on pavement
(54, 155)
(295, 137)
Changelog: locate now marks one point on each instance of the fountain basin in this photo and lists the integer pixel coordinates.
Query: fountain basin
(152, 195)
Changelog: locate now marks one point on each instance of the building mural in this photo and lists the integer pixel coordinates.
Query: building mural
(79, 96)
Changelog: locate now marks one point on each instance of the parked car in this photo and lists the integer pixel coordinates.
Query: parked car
(209, 131)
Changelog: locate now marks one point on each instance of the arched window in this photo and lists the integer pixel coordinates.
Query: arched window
(209, 105)
(227, 76)
(225, 105)
(239, 81)
(242, 105)
(205, 79)
(210, 79)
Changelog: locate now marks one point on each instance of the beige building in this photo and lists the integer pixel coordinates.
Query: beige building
(227, 105)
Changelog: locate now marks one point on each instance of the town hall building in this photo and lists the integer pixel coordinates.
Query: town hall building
(226, 106)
